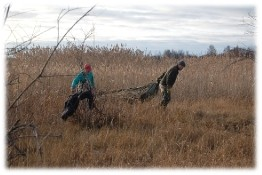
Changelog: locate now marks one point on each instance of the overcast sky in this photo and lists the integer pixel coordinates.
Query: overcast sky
(151, 27)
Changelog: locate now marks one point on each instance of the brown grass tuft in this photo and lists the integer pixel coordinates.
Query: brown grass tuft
(208, 123)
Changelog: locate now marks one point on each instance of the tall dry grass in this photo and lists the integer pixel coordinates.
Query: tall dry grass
(208, 123)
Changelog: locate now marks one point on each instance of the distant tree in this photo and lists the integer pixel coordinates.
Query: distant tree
(180, 54)
(177, 54)
(236, 51)
(167, 53)
(249, 53)
(227, 49)
(211, 51)
(139, 52)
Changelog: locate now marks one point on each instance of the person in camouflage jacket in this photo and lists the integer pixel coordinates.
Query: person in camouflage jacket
(167, 82)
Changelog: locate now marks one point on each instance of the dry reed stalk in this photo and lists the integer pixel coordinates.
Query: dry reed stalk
(208, 123)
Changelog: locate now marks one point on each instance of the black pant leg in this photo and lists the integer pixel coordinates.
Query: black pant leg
(90, 98)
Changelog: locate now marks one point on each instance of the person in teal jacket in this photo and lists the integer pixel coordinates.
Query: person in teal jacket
(84, 80)
(84, 84)
(82, 87)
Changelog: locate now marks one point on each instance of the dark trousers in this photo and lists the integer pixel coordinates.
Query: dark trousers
(73, 101)
(166, 95)
(90, 98)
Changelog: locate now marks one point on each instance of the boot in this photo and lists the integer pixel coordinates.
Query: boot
(65, 114)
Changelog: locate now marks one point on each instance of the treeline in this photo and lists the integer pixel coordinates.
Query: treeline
(212, 52)
(79, 50)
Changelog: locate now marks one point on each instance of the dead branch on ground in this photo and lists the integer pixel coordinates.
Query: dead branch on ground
(15, 135)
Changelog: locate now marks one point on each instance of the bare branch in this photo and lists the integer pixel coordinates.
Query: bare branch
(7, 12)
(49, 58)
(60, 16)
(23, 46)
(14, 133)
(79, 58)
(41, 135)
(251, 23)
(63, 38)
(38, 145)
(47, 76)
(10, 16)
(11, 82)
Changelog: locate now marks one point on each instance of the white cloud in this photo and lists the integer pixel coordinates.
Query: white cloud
(136, 22)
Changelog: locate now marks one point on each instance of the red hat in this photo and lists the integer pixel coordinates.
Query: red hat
(88, 67)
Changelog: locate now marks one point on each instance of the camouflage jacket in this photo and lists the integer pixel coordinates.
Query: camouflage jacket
(170, 77)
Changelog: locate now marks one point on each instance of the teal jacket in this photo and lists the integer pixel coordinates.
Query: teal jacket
(82, 78)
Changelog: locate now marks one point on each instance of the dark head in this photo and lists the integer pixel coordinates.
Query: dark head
(181, 65)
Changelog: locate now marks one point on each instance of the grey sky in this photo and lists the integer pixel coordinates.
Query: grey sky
(151, 27)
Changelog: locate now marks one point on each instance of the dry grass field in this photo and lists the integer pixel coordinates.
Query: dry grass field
(210, 121)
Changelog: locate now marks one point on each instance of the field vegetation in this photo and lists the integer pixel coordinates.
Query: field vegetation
(210, 121)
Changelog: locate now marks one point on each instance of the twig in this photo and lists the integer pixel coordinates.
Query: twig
(43, 68)
(6, 13)
(60, 16)
(39, 148)
(11, 135)
(11, 81)
(20, 152)
(47, 76)
(45, 136)
(23, 46)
